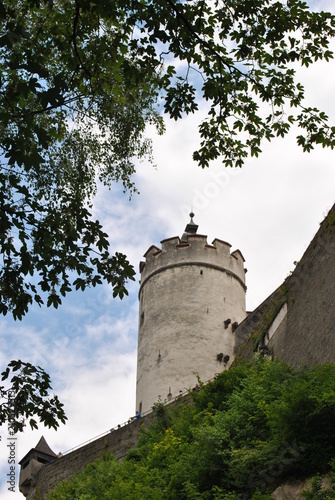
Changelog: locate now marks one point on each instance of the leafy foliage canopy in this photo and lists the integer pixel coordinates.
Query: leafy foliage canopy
(244, 434)
(79, 82)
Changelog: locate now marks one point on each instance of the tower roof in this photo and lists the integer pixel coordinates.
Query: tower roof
(42, 449)
(191, 228)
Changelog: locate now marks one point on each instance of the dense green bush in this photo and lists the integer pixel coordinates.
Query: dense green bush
(247, 431)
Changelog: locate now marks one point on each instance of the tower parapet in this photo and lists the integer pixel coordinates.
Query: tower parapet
(189, 290)
(196, 251)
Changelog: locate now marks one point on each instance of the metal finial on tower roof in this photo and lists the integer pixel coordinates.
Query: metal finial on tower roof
(191, 228)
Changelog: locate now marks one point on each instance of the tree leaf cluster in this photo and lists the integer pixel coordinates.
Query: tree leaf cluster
(26, 398)
(243, 435)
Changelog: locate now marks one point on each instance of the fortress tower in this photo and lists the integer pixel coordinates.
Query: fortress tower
(192, 297)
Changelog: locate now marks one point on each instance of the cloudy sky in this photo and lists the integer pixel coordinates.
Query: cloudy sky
(270, 210)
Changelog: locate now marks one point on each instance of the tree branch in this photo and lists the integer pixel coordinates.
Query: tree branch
(231, 67)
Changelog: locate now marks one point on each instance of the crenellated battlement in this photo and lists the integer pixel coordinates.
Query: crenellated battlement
(196, 250)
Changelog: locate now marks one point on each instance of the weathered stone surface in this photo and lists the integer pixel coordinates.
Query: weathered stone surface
(293, 490)
(306, 335)
(309, 334)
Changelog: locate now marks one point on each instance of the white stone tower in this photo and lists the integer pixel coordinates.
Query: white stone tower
(192, 297)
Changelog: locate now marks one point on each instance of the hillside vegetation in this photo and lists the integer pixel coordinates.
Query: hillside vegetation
(251, 429)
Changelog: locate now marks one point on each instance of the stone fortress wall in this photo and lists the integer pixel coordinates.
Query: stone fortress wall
(297, 322)
(306, 334)
(118, 442)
